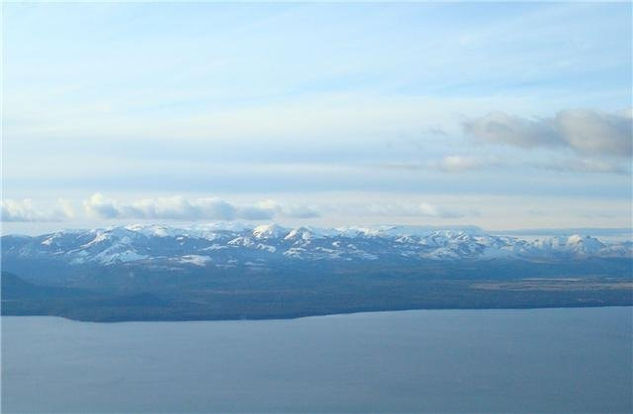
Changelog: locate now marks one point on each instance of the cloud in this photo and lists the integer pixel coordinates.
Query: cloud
(430, 210)
(289, 210)
(583, 165)
(422, 209)
(468, 163)
(499, 127)
(25, 211)
(181, 208)
(449, 163)
(461, 163)
(584, 131)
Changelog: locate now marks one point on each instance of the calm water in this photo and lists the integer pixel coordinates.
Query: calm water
(546, 360)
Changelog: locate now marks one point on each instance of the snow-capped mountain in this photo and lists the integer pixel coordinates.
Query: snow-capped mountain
(212, 245)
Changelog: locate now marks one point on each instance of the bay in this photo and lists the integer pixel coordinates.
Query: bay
(448, 361)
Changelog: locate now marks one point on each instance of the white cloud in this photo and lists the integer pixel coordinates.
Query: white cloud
(422, 209)
(181, 208)
(25, 211)
(289, 210)
(468, 163)
(584, 131)
(450, 163)
(430, 210)
(461, 163)
(583, 165)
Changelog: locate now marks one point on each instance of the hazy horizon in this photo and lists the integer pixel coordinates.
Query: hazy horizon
(36, 229)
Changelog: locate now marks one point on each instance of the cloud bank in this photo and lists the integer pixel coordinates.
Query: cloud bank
(390, 209)
(181, 208)
(26, 211)
(584, 131)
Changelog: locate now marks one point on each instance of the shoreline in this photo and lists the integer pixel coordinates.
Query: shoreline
(316, 315)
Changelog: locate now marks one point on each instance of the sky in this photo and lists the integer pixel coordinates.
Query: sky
(499, 115)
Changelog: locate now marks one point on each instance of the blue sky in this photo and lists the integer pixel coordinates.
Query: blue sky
(503, 115)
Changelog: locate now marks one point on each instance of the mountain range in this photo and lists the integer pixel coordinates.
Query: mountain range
(211, 246)
(156, 272)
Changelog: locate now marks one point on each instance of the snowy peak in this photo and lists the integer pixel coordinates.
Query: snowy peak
(300, 233)
(584, 244)
(268, 231)
(211, 245)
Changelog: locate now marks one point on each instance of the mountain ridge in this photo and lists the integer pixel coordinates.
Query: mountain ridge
(155, 272)
(212, 245)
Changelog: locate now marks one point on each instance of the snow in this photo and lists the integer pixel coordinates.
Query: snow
(268, 248)
(242, 241)
(100, 237)
(120, 257)
(267, 231)
(48, 241)
(197, 245)
(195, 259)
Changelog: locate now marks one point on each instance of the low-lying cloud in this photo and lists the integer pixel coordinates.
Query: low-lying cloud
(26, 211)
(584, 131)
(181, 208)
(583, 165)
(462, 163)
(423, 209)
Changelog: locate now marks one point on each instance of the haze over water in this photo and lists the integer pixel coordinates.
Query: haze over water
(545, 360)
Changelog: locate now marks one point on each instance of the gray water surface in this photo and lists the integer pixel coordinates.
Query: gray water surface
(544, 360)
